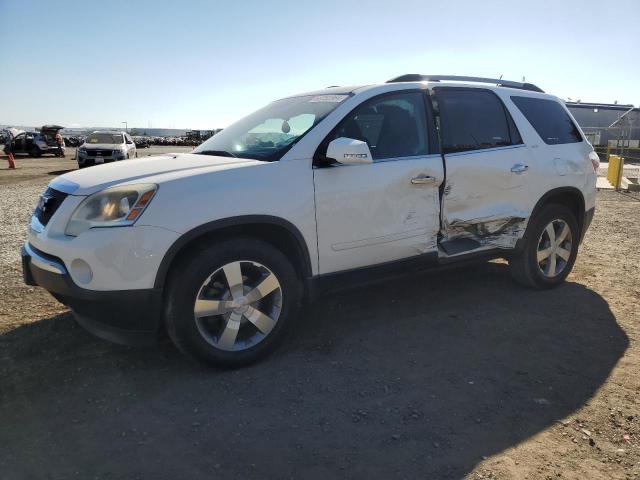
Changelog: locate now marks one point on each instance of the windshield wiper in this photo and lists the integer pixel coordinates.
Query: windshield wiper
(217, 153)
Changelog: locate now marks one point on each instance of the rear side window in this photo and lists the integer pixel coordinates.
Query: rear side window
(549, 119)
(474, 119)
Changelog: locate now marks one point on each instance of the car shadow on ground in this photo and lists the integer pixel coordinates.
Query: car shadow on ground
(61, 172)
(419, 377)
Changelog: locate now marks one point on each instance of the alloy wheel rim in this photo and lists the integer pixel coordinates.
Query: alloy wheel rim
(238, 305)
(554, 248)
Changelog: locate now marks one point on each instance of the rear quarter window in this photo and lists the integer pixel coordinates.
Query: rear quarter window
(549, 119)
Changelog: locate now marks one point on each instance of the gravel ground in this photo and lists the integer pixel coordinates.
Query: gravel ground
(456, 374)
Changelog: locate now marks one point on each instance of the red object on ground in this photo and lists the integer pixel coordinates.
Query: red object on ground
(12, 163)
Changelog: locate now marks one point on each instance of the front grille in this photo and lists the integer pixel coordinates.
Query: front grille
(100, 153)
(49, 202)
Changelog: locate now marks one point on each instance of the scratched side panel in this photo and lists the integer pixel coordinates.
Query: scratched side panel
(483, 199)
(370, 214)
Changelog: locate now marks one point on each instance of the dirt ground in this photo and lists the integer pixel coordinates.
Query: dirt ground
(456, 374)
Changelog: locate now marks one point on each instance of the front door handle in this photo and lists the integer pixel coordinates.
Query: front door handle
(519, 168)
(423, 180)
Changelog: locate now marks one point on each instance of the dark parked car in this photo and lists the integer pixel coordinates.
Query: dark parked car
(36, 144)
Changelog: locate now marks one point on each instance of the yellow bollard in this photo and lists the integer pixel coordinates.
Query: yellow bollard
(614, 171)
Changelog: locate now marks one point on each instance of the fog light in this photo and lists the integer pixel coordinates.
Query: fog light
(81, 271)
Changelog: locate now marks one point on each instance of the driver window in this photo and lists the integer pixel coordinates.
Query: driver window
(393, 126)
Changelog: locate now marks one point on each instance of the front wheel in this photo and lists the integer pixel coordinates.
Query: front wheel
(230, 304)
(550, 249)
(34, 152)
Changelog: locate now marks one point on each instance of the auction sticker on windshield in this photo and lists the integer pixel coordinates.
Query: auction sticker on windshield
(328, 98)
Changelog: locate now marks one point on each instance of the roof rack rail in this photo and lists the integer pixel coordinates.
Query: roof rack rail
(416, 77)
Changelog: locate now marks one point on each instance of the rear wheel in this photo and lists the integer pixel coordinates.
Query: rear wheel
(550, 249)
(229, 304)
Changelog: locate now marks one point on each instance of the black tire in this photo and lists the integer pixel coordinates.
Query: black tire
(186, 279)
(524, 266)
(35, 152)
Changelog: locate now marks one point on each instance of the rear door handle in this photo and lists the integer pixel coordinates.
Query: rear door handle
(423, 179)
(519, 168)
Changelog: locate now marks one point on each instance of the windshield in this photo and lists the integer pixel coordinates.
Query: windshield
(104, 138)
(271, 131)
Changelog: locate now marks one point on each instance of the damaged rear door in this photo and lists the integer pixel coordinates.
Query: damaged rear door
(485, 200)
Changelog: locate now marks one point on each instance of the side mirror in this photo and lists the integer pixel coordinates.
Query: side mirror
(349, 151)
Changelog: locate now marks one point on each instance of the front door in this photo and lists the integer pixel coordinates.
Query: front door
(485, 202)
(387, 210)
(19, 143)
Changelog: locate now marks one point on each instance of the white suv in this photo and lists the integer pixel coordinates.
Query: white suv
(105, 147)
(314, 192)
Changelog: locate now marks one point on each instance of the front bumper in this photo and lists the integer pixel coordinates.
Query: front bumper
(88, 160)
(130, 317)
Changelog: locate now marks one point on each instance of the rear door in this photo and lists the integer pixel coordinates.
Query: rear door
(389, 209)
(20, 143)
(485, 199)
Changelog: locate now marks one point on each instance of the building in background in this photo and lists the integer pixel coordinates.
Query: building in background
(608, 125)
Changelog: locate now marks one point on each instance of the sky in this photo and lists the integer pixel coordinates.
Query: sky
(204, 64)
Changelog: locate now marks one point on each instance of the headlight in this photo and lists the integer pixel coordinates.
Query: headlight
(112, 207)
(82, 150)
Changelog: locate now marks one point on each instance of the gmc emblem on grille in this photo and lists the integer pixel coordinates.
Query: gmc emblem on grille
(45, 201)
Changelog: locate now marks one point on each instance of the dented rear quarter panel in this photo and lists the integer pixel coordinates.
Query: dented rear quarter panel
(554, 166)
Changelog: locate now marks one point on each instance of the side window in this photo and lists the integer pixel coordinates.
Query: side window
(392, 125)
(549, 119)
(474, 119)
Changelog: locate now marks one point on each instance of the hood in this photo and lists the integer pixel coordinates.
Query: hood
(144, 170)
